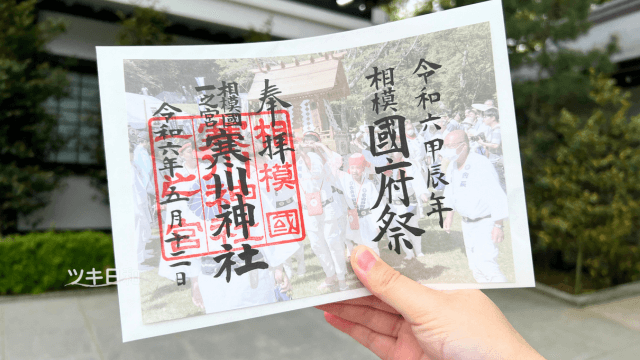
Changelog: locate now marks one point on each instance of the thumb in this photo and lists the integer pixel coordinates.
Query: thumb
(409, 298)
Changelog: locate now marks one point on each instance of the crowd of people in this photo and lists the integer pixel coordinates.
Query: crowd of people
(468, 172)
(339, 194)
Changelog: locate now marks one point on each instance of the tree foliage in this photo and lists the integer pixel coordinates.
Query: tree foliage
(26, 81)
(578, 146)
(144, 26)
(587, 194)
(466, 76)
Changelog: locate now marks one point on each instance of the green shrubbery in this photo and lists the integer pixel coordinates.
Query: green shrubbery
(38, 262)
(585, 199)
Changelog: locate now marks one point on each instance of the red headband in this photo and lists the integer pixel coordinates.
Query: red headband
(358, 160)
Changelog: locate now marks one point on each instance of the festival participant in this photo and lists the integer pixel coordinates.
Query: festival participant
(457, 118)
(258, 286)
(277, 196)
(333, 163)
(321, 213)
(360, 195)
(493, 142)
(143, 187)
(448, 124)
(361, 138)
(474, 192)
(476, 130)
(479, 125)
(416, 189)
(187, 166)
(415, 142)
(417, 156)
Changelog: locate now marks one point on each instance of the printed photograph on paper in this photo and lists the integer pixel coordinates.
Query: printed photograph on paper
(255, 178)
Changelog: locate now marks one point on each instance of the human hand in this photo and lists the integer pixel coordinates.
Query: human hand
(406, 320)
(425, 198)
(497, 235)
(282, 279)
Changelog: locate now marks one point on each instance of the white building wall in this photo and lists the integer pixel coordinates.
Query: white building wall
(290, 20)
(625, 27)
(82, 35)
(77, 205)
(619, 18)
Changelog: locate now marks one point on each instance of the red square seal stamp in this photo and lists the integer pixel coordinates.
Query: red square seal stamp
(286, 222)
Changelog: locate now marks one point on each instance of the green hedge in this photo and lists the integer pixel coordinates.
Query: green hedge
(38, 262)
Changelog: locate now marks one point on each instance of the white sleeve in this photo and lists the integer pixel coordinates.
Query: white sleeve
(377, 212)
(423, 150)
(418, 183)
(496, 137)
(277, 254)
(334, 160)
(448, 189)
(375, 161)
(493, 194)
(342, 180)
(317, 168)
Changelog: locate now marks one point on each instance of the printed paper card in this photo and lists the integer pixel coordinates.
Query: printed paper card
(241, 177)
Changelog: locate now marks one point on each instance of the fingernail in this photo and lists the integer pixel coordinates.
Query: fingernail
(337, 322)
(365, 260)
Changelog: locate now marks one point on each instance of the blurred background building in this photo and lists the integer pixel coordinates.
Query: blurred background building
(90, 23)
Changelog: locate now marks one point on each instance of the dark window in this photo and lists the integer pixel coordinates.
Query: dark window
(77, 119)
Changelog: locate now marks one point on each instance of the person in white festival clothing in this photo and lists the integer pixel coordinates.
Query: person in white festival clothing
(416, 189)
(258, 286)
(360, 194)
(417, 151)
(142, 188)
(278, 197)
(334, 162)
(188, 167)
(418, 157)
(493, 143)
(323, 229)
(474, 192)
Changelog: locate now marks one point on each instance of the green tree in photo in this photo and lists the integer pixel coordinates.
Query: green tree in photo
(466, 75)
(26, 81)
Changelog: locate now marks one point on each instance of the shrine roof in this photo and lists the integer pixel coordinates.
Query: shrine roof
(303, 79)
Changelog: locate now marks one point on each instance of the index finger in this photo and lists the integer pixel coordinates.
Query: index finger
(411, 299)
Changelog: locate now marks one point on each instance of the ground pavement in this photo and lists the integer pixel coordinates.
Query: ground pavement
(86, 325)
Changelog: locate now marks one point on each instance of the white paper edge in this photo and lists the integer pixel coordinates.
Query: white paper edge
(110, 69)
